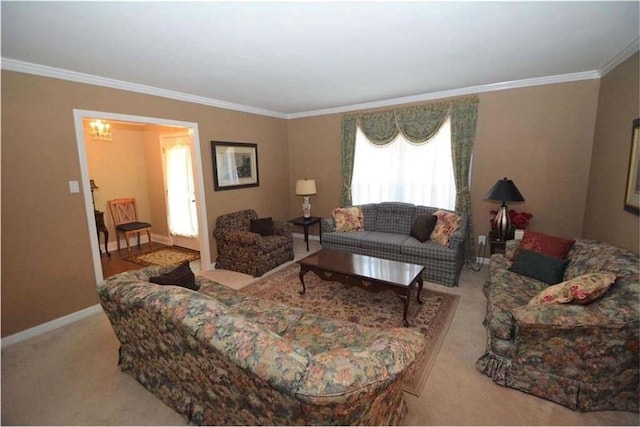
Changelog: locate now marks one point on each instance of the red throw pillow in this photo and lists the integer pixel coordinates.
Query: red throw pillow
(545, 244)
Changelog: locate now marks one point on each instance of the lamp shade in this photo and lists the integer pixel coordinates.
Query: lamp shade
(306, 187)
(504, 191)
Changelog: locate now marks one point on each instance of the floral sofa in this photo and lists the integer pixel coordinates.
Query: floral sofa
(249, 250)
(221, 358)
(387, 234)
(585, 357)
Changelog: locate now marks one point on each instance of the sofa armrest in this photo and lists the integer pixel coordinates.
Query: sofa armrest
(566, 316)
(348, 374)
(510, 247)
(328, 225)
(574, 341)
(283, 228)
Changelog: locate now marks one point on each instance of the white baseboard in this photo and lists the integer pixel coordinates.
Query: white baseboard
(50, 326)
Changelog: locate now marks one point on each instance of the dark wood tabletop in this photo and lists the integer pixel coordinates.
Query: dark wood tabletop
(392, 273)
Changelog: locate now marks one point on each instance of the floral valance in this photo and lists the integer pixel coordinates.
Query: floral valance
(416, 124)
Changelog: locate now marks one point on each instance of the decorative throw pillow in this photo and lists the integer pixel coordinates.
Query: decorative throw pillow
(545, 244)
(262, 226)
(423, 226)
(180, 276)
(579, 290)
(446, 224)
(348, 219)
(545, 268)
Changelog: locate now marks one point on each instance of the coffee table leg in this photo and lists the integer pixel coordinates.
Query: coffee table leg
(303, 271)
(405, 301)
(420, 283)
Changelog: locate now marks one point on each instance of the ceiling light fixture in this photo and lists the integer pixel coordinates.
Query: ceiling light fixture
(100, 129)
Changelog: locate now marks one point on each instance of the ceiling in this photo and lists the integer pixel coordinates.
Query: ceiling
(290, 59)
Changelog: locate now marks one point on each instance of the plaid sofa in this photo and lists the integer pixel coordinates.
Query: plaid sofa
(387, 226)
(585, 357)
(221, 358)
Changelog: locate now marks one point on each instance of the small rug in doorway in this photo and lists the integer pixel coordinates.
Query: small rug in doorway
(165, 256)
(383, 310)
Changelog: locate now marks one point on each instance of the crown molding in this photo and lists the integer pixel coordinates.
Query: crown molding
(41, 70)
(471, 90)
(626, 53)
(58, 73)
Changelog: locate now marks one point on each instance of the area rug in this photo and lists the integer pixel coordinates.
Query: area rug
(383, 310)
(165, 256)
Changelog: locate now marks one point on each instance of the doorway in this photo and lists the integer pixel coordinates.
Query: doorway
(179, 190)
(197, 179)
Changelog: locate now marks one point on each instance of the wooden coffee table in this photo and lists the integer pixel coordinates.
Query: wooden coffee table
(370, 273)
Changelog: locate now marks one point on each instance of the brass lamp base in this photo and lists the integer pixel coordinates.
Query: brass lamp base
(502, 224)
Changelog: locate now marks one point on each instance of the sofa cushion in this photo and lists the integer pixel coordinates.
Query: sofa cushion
(545, 244)
(386, 242)
(447, 224)
(262, 226)
(427, 250)
(395, 217)
(348, 219)
(545, 268)
(350, 239)
(180, 276)
(423, 226)
(579, 290)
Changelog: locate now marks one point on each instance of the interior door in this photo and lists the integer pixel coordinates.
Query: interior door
(180, 194)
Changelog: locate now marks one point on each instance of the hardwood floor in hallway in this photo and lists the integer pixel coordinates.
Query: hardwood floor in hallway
(116, 263)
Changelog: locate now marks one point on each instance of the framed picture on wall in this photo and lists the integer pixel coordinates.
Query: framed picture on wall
(235, 165)
(632, 196)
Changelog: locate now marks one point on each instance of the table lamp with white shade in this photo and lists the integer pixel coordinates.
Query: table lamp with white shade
(306, 187)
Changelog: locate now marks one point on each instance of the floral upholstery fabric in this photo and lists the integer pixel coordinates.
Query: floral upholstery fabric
(348, 219)
(221, 358)
(579, 290)
(386, 234)
(447, 224)
(585, 357)
(241, 250)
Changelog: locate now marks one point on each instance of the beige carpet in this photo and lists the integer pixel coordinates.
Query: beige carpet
(70, 376)
(165, 256)
(383, 309)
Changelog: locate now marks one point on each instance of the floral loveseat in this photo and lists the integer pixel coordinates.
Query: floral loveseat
(585, 357)
(222, 358)
(387, 229)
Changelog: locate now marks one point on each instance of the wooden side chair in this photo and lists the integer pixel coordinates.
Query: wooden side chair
(125, 218)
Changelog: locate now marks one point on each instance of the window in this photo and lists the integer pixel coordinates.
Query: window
(402, 171)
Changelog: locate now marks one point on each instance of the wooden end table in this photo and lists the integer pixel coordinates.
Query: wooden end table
(305, 223)
(370, 273)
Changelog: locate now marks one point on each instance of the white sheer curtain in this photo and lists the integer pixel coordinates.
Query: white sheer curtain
(405, 172)
(183, 220)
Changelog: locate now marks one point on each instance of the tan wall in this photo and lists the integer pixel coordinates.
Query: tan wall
(618, 105)
(540, 137)
(47, 268)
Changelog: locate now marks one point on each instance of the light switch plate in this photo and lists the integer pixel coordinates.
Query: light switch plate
(74, 187)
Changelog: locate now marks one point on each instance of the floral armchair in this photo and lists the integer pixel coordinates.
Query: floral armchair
(248, 252)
